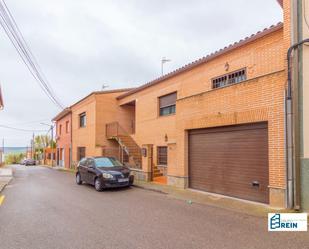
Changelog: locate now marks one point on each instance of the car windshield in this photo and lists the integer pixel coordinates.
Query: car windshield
(105, 162)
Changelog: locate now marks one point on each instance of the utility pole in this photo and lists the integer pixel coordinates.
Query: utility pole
(51, 144)
(32, 146)
(51, 141)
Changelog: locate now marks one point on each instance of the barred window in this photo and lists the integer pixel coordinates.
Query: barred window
(162, 155)
(228, 79)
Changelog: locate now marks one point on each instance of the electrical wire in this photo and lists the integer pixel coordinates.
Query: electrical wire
(15, 39)
(20, 129)
(13, 32)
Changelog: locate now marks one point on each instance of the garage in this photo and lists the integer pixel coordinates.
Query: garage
(230, 160)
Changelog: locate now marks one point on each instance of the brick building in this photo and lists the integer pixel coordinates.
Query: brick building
(215, 125)
(89, 118)
(238, 90)
(64, 138)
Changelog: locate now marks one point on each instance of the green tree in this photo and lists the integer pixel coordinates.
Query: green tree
(14, 158)
(41, 142)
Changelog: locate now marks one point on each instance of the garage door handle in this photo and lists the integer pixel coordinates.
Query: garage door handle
(255, 184)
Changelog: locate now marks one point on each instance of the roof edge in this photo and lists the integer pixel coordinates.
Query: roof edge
(62, 114)
(280, 2)
(103, 92)
(206, 59)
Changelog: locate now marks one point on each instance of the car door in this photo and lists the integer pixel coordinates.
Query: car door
(91, 171)
(82, 168)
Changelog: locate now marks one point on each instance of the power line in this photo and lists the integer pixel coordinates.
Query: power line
(20, 129)
(11, 29)
(29, 122)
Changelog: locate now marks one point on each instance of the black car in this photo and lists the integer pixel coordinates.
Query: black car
(103, 172)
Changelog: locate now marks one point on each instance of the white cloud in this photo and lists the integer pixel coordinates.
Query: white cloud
(82, 44)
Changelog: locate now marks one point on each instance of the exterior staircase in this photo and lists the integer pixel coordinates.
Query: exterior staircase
(156, 172)
(116, 132)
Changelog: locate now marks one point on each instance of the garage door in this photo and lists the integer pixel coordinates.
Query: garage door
(230, 160)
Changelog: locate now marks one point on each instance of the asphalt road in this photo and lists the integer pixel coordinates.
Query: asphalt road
(44, 208)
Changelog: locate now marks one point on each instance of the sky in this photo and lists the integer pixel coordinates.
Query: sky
(82, 45)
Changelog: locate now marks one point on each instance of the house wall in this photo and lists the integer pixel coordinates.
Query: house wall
(100, 109)
(108, 111)
(64, 139)
(252, 101)
(256, 99)
(84, 136)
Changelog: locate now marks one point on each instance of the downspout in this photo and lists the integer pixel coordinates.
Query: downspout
(292, 189)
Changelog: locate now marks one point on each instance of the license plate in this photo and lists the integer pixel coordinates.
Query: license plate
(123, 180)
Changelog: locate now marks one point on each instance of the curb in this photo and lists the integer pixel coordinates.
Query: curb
(59, 169)
(4, 184)
(149, 189)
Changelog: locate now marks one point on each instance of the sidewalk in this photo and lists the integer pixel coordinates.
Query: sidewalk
(199, 197)
(6, 175)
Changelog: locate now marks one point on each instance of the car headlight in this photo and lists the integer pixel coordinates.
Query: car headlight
(108, 176)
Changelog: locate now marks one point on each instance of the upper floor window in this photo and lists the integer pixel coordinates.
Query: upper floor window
(82, 119)
(167, 104)
(60, 129)
(231, 78)
(67, 126)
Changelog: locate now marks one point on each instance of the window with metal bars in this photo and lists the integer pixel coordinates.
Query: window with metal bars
(231, 78)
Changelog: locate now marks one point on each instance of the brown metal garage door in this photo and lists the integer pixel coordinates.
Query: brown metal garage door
(230, 160)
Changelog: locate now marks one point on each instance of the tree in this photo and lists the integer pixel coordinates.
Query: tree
(14, 158)
(40, 143)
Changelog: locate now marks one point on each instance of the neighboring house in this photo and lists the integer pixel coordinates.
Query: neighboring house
(89, 118)
(1, 99)
(64, 138)
(49, 156)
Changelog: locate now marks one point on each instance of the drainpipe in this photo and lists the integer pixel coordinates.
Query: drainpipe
(293, 195)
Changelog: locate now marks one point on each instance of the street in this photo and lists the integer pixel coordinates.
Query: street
(44, 208)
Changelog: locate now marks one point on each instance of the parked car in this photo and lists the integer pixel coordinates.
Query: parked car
(103, 172)
(22, 162)
(29, 162)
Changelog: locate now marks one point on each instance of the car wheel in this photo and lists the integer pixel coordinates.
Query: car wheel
(98, 184)
(78, 179)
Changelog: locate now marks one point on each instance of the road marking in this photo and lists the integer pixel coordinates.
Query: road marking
(1, 199)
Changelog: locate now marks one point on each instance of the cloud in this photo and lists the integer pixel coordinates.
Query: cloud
(82, 45)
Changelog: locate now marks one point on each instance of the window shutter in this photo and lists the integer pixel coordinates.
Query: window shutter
(168, 100)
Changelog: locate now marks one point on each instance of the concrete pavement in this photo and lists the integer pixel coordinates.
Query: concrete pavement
(45, 209)
(5, 177)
